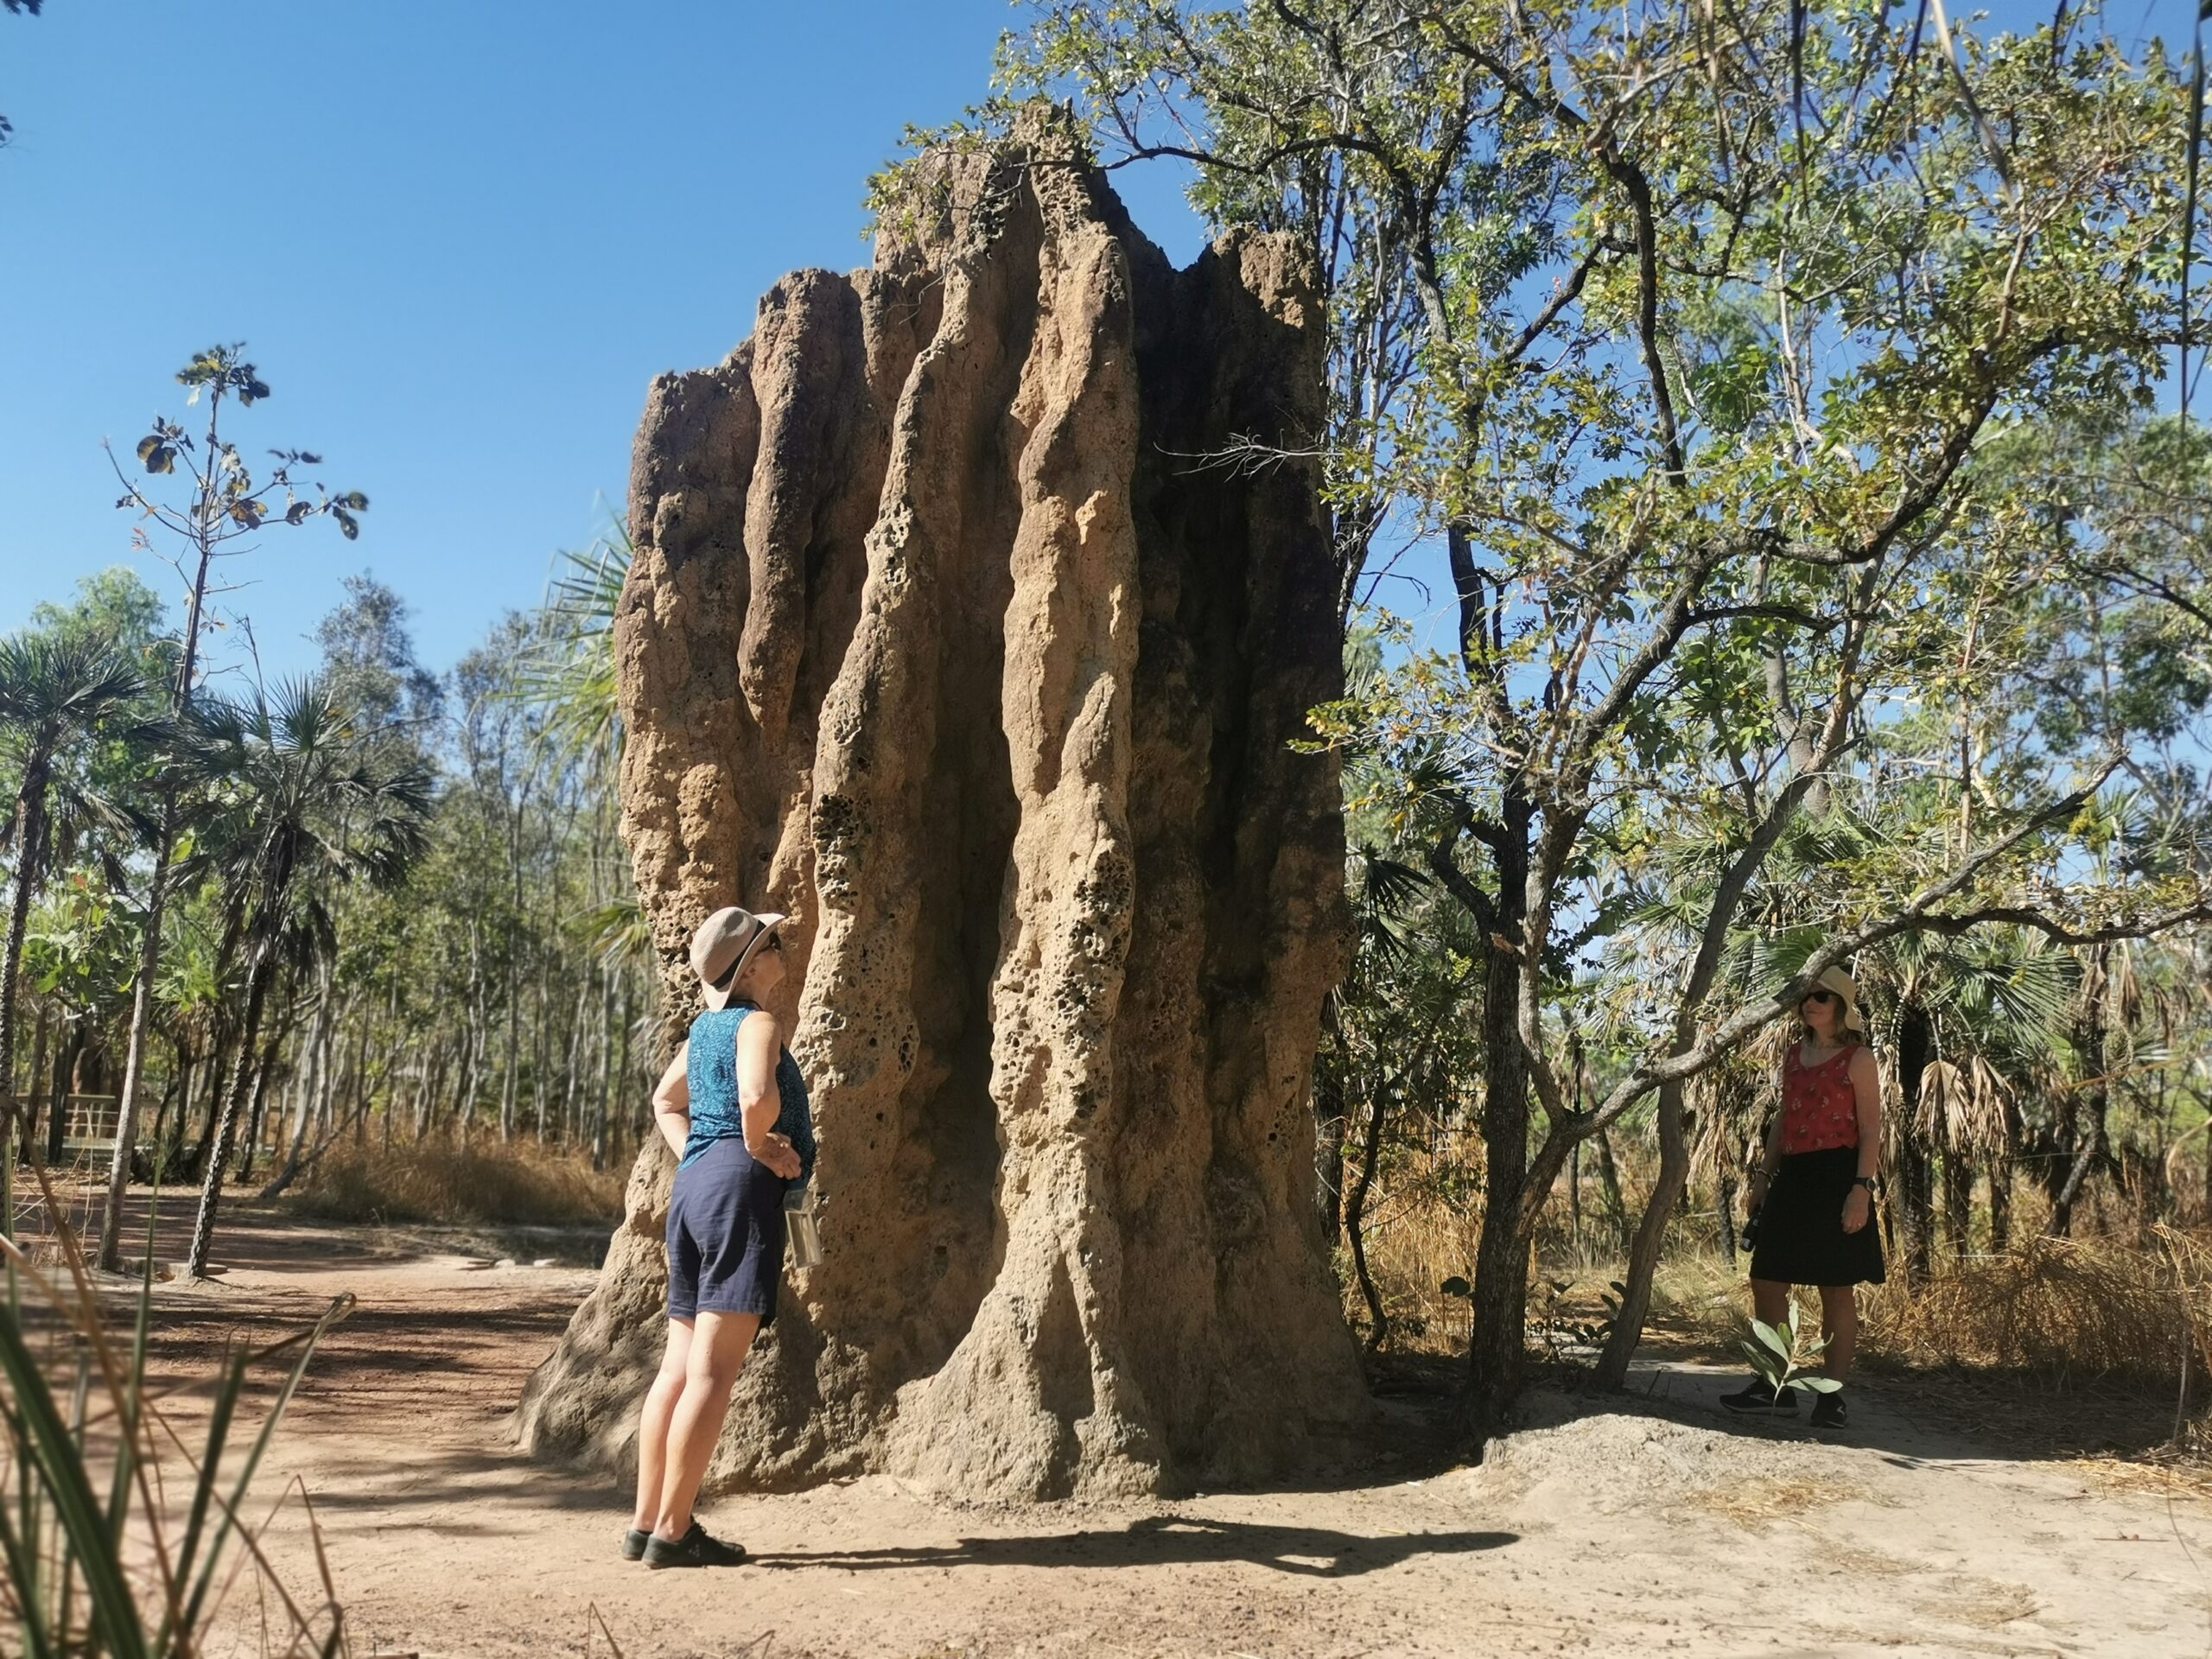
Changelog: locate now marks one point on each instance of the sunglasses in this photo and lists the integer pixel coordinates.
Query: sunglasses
(775, 942)
(1822, 997)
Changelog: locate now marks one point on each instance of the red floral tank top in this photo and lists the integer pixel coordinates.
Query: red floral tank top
(1820, 1108)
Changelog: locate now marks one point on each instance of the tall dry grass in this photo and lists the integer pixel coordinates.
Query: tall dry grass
(2116, 1311)
(442, 1183)
(2087, 1311)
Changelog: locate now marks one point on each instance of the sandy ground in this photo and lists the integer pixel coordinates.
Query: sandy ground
(1659, 1526)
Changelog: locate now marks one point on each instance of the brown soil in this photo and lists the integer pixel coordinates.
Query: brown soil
(1655, 1524)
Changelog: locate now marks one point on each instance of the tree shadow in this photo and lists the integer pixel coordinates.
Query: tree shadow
(1162, 1541)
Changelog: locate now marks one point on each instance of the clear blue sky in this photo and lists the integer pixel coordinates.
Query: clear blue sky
(460, 236)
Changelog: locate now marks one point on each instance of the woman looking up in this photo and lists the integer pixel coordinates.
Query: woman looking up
(734, 1108)
(1813, 1193)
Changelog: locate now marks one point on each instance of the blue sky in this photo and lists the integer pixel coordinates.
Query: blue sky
(459, 238)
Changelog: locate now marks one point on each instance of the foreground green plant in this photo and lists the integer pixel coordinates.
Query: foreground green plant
(83, 1438)
(1782, 1358)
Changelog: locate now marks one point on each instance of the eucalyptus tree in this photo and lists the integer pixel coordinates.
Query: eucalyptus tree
(1717, 312)
(219, 509)
(309, 802)
(58, 695)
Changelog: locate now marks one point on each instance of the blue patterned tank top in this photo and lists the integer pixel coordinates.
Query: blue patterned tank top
(711, 1068)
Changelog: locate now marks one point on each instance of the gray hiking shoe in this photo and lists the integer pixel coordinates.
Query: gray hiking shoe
(1829, 1411)
(1759, 1396)
(633, 1543)
(695, 1548)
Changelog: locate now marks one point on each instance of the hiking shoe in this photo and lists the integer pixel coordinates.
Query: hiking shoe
(694, 1548)
(1758, 1395)
(1830, 1412)
(633, 1543)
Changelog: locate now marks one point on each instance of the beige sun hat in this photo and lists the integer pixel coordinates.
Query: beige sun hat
(1834, 979)
(722, 945)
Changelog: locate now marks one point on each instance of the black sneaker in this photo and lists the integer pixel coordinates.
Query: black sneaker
(633, 1543)
(694, 1548)
(1830, 1412)
(1759, 1396)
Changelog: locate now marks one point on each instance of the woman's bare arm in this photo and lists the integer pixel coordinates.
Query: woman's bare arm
(1866, 1095)
(672, 1101)
(759, 1046)
(1865, 1072)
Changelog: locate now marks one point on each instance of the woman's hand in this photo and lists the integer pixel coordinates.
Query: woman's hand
(777, 1152)
(1857, 1209)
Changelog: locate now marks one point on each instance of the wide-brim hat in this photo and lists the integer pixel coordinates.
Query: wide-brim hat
(1834, 979)
(722, 946)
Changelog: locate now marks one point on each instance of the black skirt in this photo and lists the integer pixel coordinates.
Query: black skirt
(1802, 1240)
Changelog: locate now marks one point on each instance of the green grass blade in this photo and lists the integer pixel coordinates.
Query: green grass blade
(68, 1565)
(338, 1310)
(22, 1570)
(127, 1417)
(65, 1479)
(203, 1491)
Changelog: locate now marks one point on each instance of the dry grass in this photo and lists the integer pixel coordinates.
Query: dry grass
(438, 1182)
(2090, 1310)
(1755, 1502)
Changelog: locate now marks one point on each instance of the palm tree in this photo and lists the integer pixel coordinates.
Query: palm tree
(308, 803)
(56, 693)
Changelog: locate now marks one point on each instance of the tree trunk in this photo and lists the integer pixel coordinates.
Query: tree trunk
(1915, 1176)
(65, 1070)
(1650, 1238)
(36, 1079)
(315, 1059)
(30, 840)
(1497, 1344)
(1608, 1182)
(1958, 1204)
(254, 1115)
(1727, 1198)
(2000, 1202)
(1356, 1211)
(232, 1106)
(593, 1132)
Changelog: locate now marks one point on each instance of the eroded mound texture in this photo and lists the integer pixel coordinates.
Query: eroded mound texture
(950, 630)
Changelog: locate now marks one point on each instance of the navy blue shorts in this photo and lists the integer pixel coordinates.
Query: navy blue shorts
(726, 1235)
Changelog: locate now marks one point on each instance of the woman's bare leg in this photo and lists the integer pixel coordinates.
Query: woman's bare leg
(1770, 1301)
(1840, 1324)
(653, 1424)
(718, 1353)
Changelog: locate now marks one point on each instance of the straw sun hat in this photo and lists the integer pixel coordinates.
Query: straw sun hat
(725, 942)
(1834, 979)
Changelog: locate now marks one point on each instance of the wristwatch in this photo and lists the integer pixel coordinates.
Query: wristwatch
(1866, 1181)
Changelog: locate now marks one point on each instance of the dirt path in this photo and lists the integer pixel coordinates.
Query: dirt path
(1664, 1528)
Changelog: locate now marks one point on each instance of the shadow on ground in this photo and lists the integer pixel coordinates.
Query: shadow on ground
(1165, 1540)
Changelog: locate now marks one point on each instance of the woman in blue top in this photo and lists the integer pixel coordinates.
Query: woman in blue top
(733, 1108)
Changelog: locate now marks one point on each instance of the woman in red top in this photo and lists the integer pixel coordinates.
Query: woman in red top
(1813, 1195)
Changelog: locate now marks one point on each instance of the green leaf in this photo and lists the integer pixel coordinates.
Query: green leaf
(157, 455)
(1771, 1339)
(1762, 1362)
(1817, 1383)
